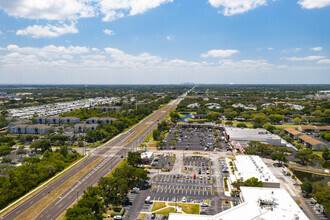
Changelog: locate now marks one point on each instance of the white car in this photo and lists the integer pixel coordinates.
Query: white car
(204, 204)
(184, 199)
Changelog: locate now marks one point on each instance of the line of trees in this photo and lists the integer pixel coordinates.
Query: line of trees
(110, 191)
(16, 181)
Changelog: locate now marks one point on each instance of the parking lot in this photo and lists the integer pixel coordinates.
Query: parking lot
(183, 179)
(191, 190)
(190, 139)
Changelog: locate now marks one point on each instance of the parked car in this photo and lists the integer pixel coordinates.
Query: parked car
(204, 204)
(135, 190)
(153, 215)
(184, 199)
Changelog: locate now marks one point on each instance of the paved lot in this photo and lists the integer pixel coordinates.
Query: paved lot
(185, 190)
(186, 179)
(190, 139)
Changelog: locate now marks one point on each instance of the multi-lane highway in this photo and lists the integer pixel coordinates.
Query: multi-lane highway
(111, 155)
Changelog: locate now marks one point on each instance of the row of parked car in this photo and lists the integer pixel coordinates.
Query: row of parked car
(223, 166)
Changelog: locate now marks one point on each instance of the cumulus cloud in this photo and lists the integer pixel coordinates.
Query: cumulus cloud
(270, 48)
(232, 7)
(324, 61)
(48, 9)
(109, 32)
(169, 37)
(311, 4)
(308, 58)
(49, 52)
(317, 48)
(219, 53)
(114, 9)
(39, 31)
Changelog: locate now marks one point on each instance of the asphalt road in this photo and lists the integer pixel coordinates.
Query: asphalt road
(111, 152)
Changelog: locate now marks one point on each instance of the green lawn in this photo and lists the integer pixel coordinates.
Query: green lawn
(158, 205)
(187, 207)
(166, 211)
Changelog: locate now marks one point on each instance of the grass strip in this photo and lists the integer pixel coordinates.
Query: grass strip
(158, 205)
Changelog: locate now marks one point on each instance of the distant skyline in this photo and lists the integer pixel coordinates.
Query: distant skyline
(164, 41)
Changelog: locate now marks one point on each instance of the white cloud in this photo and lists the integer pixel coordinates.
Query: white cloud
(270, 48)
(324, 61)
(48, 9)
(219, 53)
(114, 9)
(308, 58)
(311, 4)
(317, 48)
(1, 33)
(232, 7)
(49, 52)
(38, 31)
(169, 37)
(109, 32)
(293, 50)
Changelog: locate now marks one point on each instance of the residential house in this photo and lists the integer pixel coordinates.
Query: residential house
(312, 143)
(194, 105)
(106, 108)
(30, 129)
(292, 132)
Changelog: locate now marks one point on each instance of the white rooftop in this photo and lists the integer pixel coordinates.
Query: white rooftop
(259, 203)
(245, 135)
(252, 166)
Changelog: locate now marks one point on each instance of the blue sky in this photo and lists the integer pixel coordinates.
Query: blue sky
(164, 41)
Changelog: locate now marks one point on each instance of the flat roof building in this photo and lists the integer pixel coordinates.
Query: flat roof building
(241, 137)
(249, 166)
(257, 203)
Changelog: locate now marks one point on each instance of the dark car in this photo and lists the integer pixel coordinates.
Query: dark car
(153, 215)
(127, 201)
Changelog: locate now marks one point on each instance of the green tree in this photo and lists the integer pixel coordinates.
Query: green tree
(304, 155)
(326, 153)
(279, 157)
(259, 120)
(253, 182)
(6, 160)
(241, 125)
(307, 186)
(276, 118)
(174, 116)
(134, 159)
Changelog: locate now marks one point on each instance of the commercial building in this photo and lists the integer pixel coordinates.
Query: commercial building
(241, 137)
(252, 166)
(257, 203)
(147, 156)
